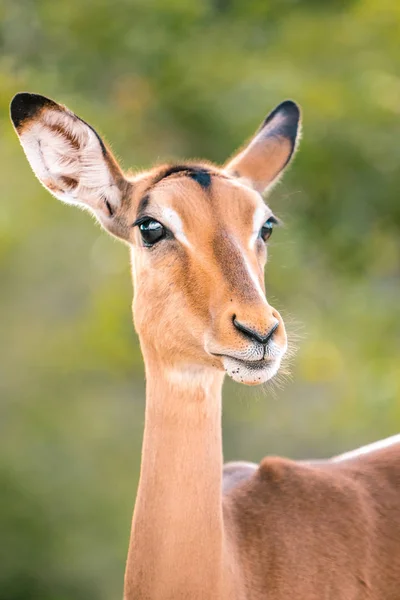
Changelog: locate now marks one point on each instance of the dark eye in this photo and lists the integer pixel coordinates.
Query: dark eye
(266, 229)
(151, 232)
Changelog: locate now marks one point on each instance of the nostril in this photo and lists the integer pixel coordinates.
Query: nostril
(272, 331)
(255, 335)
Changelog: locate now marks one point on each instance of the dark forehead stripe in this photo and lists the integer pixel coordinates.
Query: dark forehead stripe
(202, 176)
(199, 174)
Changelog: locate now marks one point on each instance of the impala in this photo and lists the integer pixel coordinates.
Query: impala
(281, 530)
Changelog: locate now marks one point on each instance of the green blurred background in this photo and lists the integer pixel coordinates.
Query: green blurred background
(166, 80)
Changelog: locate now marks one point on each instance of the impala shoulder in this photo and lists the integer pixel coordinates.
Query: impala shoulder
(271, 470)
(275, 469)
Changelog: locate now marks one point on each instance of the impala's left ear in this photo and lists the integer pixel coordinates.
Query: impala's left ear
(67, 155)
(262, 161)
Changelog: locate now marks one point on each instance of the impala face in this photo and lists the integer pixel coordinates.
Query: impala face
(199, 251)
(198, 236)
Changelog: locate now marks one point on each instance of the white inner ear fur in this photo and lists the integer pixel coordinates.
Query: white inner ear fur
(66, 156)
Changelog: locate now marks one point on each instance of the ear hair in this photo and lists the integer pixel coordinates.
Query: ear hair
(264, 158)
(67, 155)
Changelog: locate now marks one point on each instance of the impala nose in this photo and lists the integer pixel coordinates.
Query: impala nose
(253, 334)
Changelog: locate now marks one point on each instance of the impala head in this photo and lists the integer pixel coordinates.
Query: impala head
(197, 233)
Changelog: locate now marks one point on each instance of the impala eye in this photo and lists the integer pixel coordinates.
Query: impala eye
(266, 229)
(151, 232)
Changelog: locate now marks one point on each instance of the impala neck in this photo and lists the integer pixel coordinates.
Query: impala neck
(176, 545)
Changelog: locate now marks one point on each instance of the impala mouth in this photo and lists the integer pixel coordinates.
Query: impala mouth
(250, 372)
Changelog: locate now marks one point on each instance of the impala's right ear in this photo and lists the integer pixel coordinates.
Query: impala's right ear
(261, 162)
(67, 155)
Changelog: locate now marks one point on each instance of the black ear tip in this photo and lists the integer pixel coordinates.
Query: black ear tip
(284, 120)
(25, 105)
(290, 108)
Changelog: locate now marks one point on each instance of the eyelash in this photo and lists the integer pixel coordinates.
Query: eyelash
(267, 228)
(149, 234)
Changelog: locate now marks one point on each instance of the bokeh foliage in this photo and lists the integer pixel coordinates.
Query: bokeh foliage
(167, 80)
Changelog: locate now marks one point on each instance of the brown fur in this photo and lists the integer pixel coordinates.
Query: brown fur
(323, 531)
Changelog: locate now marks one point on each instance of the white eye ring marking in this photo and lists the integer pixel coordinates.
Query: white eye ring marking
(253, 277)
(261, 214)
(173, 221)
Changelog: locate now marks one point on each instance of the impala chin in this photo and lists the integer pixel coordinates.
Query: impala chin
(251, 372)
